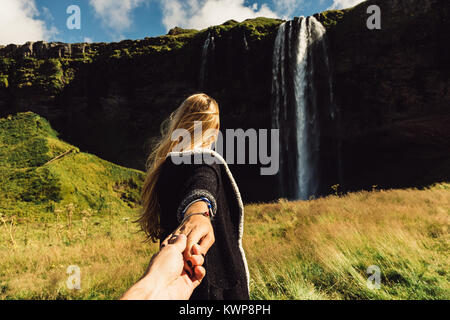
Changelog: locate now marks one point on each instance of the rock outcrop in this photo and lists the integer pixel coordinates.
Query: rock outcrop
(392, 87)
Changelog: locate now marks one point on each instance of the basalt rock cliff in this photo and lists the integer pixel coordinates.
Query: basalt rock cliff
(392, 87)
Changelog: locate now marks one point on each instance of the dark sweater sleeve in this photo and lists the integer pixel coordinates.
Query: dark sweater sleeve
(202, 182)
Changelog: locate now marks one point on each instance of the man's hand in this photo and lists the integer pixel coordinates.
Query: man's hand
(166, 279)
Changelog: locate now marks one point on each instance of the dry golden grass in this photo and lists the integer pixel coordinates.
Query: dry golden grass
(107, 249)
(316, 249)
(322, 248)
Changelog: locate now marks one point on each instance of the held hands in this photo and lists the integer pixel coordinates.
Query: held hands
(165, 278)
(178, 283)
(177, 269)
(198, 230)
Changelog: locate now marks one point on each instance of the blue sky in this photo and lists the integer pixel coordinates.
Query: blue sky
(114, 20)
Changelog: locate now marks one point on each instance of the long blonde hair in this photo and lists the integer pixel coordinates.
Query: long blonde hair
(197, 108)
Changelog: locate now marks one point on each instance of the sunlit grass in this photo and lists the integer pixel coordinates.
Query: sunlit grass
(322, 248)
(60, 208)
(296, 250)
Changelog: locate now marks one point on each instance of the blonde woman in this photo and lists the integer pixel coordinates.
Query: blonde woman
(198, 199)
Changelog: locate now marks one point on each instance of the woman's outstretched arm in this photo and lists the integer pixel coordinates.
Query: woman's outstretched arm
(198, 197)
(197, 228)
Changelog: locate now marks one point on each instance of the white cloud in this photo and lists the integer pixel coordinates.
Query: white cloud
(87, 40)
(19, 23)
(47, 14)
(115, 14)
(342, 4)
(287, 8)
(200, 14)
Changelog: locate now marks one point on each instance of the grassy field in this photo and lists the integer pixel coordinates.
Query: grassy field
(318, 249)
(60, 207)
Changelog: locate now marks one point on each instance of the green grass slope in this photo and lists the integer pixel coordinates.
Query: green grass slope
(39, 173)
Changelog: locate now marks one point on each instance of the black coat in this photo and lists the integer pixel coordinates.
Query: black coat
(178, 185)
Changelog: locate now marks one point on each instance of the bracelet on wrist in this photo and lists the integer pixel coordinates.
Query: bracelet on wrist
(205, 214)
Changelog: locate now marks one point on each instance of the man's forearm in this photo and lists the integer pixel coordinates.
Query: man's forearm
(147, 288)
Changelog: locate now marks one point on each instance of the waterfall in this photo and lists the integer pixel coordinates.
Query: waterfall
(279, 107)
(246, 47)
(300, 62)
(301, 78)
(208, 47)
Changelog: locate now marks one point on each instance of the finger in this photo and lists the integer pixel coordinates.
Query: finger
(188, 272)
(193, 238)
(197, 250)
(179, 230)
(197, 257)
(179, 242)
(199, 274)
(173, 238)
(164, 243)
(182, 229)
(195, 260)
(207, 242)
(166, 240)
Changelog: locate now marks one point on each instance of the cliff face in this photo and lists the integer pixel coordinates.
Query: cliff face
(393, 88)
(391, 85)
(110, 99)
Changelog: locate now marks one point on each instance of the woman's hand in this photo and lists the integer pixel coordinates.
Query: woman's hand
(198, 230)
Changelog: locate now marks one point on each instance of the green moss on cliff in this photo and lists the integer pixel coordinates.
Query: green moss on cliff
(24, 75)
(52, 75)
(178, 31)
(260, 27)
(4, 81)
(255, 29)
(48, 76)
(331, 18)
(5, 64)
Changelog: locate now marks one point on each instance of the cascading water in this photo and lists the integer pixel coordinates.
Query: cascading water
(246, 47)
(208, 47)
(300, 59)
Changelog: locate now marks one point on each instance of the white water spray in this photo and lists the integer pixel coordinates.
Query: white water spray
(208, 46)
(295, 109)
